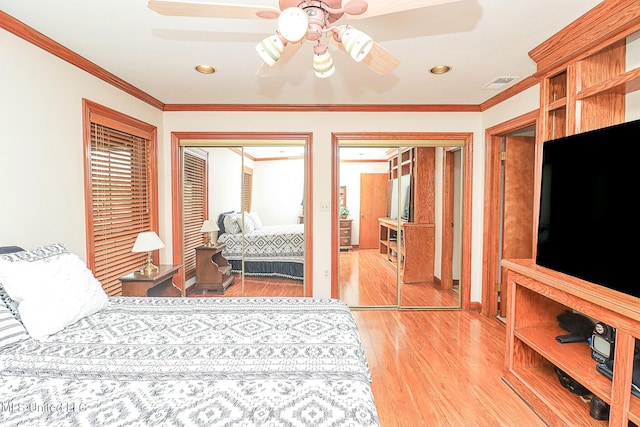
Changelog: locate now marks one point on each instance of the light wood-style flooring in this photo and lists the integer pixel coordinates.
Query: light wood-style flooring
(440, 368)
(367, 278)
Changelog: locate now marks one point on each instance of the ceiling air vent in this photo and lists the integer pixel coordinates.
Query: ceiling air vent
(499, 82)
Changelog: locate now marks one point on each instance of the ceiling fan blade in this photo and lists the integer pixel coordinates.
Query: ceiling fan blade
(289, 52)
(204, 9)
(379, 59)
(384, 7)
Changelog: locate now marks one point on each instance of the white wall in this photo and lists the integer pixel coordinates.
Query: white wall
(41, 152)
(278, 191)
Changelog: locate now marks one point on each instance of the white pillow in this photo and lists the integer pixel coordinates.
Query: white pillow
(246, 224)
(52, 292)
(257, 222)
(231, 224)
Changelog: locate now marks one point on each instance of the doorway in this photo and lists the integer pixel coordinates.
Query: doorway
(509, 204)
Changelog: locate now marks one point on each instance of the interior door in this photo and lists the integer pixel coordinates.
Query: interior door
(517, 212)
(372, 207)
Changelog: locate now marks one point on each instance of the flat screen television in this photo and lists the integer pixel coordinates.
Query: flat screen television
(404, 193)
(588, 227)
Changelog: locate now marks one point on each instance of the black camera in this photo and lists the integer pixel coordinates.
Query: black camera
(603, 342)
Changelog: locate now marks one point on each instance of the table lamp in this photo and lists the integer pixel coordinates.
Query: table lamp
(147, 241)
(210, 226)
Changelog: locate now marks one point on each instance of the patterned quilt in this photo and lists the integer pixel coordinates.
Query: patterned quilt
(270, 243)
(194, 362)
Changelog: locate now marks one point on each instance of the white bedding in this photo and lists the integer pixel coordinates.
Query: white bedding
(194, 361)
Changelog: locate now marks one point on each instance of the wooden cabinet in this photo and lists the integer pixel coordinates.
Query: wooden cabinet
(414, 245)
(213, 271)
(157, 284)
(346, 226)
(583, 73)
(414, 242)
(536, 296)
(420, 162)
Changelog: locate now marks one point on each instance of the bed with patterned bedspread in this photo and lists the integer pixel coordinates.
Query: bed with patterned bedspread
(275, 250)
(192, 361)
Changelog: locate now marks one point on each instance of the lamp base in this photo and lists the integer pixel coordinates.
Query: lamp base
(149, 268)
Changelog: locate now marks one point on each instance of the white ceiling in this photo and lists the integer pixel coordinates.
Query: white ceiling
(481, 39)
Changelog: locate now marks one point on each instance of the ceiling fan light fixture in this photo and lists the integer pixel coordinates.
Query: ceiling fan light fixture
(270, 49)
(323, 65)
(356, 43)
(293, 23)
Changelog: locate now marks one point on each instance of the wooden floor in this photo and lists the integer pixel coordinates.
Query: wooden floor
(440, 368)
(368, 279)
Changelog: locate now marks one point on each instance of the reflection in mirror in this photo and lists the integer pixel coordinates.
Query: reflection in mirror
(253, 194)
(401, 253)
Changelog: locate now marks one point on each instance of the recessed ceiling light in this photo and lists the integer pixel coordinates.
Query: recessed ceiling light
(205, 69)
(440, 69)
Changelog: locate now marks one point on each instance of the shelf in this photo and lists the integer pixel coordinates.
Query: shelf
(560, 405)
(625, 83)
(536, 296)
(557, 105)
(573, 358)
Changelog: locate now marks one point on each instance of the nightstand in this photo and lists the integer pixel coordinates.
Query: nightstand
(213, 272)
(345, 234)
(158, 284)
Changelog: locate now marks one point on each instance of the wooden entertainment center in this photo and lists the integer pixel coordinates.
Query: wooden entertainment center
(536, 296)
(584, 80)
(411, 244)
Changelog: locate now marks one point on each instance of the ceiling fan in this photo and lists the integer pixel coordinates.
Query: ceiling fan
(302, 20)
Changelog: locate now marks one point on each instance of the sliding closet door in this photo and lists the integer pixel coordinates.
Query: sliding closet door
(416, 260)
(274, 236)
(367, 262)
(255, 196)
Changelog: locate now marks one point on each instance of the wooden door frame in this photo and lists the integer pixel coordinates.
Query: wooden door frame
(448, 197)
(176, 189)
(491, 228)
(383, 139)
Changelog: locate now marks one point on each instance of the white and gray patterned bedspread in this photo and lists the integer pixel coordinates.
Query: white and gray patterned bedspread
(192, 362)
(274, 243)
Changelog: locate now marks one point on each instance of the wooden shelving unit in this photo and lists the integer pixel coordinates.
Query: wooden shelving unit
(582, 71)
(584, 80)
(536, 296)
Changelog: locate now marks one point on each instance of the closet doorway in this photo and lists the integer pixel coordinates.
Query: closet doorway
(262, 234)
(423, 183)
(509, 204)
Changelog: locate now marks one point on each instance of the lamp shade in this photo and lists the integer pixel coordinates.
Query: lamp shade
(147, 241)
(209, 225)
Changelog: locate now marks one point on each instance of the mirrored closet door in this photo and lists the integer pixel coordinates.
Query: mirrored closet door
(404, 204)
(245, 234)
